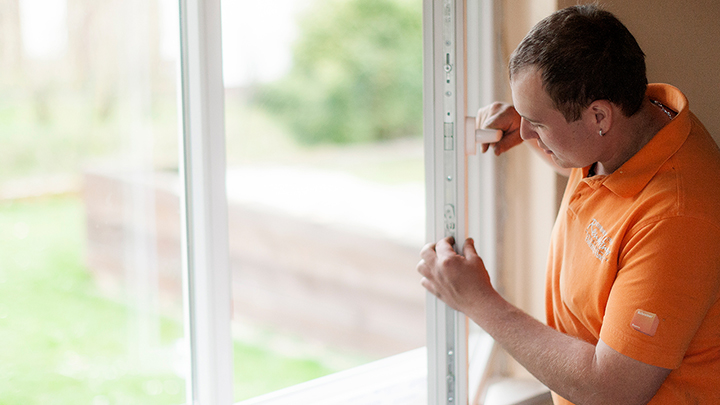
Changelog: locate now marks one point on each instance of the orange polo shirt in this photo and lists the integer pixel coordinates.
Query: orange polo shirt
(635, 257)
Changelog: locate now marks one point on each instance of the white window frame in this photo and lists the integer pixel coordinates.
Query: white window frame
(206, 276)
(446, 329)
(455, 87)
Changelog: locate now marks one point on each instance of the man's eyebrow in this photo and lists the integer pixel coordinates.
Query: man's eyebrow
(532, 121)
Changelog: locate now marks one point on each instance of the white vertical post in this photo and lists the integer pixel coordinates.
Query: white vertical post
(207, 275)
(482, 47)
(444, 117)
(481, 79)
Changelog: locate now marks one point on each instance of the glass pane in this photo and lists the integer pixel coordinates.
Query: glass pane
(90, 265)
(325, 185)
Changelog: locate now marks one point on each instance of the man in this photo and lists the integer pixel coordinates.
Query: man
(633, 284)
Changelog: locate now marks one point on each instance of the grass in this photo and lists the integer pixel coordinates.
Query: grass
(63, 342)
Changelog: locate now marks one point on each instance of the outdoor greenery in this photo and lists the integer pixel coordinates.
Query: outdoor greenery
(62, 132)
(63, 342)
(356, 75)
(386, 162)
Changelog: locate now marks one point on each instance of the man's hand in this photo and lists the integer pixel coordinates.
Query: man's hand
(504, 117)
(461, 282)
(500, 116)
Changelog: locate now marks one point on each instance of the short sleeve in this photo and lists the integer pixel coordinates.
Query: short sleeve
(668, 278)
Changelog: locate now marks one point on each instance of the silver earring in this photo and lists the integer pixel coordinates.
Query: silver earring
(601, 134)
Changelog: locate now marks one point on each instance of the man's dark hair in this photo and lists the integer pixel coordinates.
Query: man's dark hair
(584, 54)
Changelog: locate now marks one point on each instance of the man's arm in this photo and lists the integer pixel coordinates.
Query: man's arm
(576, 370)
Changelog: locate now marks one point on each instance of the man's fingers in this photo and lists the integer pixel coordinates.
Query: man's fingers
(445, 247)
(427, 254)
(429, 286)
(469, 248)
(423, 268)
(504, 117)
(509, 140)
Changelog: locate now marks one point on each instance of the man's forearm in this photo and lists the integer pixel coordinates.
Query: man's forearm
(566, 365)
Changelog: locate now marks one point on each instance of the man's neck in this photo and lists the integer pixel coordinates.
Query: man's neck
(631, 134)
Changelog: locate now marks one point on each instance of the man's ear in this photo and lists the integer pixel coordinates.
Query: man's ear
(601, 115)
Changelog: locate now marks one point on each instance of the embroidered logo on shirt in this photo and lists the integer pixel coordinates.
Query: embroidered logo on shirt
(596, 237)
(645, 322)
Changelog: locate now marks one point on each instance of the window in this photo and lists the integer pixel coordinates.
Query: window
(324, 185)
(124, 244)
(91, 298)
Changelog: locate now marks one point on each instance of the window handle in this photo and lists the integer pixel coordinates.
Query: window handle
(480, 136)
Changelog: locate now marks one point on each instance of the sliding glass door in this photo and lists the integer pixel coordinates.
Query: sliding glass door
(169, 238)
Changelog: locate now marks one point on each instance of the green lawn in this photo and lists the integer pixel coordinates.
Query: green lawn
(62, 342)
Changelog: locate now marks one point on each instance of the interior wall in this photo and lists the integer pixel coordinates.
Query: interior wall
(528, 196)
(527, 192)
(680, 44)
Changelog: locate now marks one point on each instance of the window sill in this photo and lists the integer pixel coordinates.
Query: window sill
(396, 380)
(512, 391)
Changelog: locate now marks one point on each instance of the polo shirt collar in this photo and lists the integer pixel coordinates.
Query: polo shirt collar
(637, 172)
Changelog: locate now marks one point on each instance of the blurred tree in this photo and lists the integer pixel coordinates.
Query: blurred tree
(356, 75)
